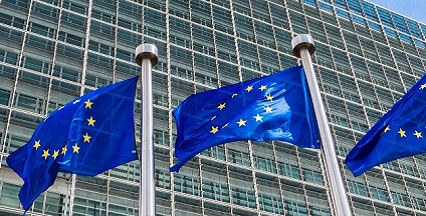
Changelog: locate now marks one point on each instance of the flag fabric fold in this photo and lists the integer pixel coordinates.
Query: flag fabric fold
(274, 107)
(87, 136)
(399, 133)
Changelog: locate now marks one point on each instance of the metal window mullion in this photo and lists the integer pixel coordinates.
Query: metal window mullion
(49, 92)
(170, 119)
(200, 183)
(327, 186)
(82, 83)
(240, 76)
(274, 155)
(215, 46)
(219, 85)
(299, 163)
(256, 193)
(44, 202)
(274, 35)
(237, 53)
(55, 48)
(369, 191)
(305, 194)
(388, 189)
(191, 38)
(253, 174)
(228, 181)
(108, 191)
(286, 10)
(406, 189)
(290, 26)
(86, 46)
(259, 60)
(409, 65)
(15, 85)
(21, 56)
(114, 64)
(416, 165)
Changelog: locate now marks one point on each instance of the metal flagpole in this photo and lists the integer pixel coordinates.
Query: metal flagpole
(146, 57)
(303, 47)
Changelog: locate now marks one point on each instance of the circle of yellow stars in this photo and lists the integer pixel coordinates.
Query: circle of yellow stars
(75, 148)
(402, 133)
(242, 122)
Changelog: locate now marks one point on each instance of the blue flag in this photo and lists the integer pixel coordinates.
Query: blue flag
(399, 133)
(87, 136)
(274, 107)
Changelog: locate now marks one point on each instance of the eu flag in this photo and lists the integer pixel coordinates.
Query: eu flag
(87, 136)
(399, 133)
(274, 107)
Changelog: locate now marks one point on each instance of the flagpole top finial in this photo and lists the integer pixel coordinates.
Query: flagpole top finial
(302, 41)
(149, 51)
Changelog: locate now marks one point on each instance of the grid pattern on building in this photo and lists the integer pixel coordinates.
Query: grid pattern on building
(52, 51)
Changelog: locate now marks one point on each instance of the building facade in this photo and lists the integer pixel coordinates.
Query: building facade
(52, 51)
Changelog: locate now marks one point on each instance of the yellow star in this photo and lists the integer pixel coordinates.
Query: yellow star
(241, 123)
(402, 133)
(418, 134)
(248, 89)
(423, 86)
(214, 130)
(91, 121)
(262, 88)
(45, 154)
(36, 144)
(268, 109)
(386, 129)
(86, 138)
(55, 154)
(258, 117)
(64, 150)
(75, 148)
(269, 97)
(221, 106)
(88, 104)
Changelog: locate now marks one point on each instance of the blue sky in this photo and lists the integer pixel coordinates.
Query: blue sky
(415, 9)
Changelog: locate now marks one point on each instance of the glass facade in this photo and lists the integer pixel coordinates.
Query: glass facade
(52, 51)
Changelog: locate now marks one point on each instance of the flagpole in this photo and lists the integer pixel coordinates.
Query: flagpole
(147, 57)
(303, 47)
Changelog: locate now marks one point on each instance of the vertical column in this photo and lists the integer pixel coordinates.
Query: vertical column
(303, 47)
(146, 57)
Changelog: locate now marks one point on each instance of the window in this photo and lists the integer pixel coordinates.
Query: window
(216, 190)
(238, 157)
(187, 184)
(12, 21)
(357, 188)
